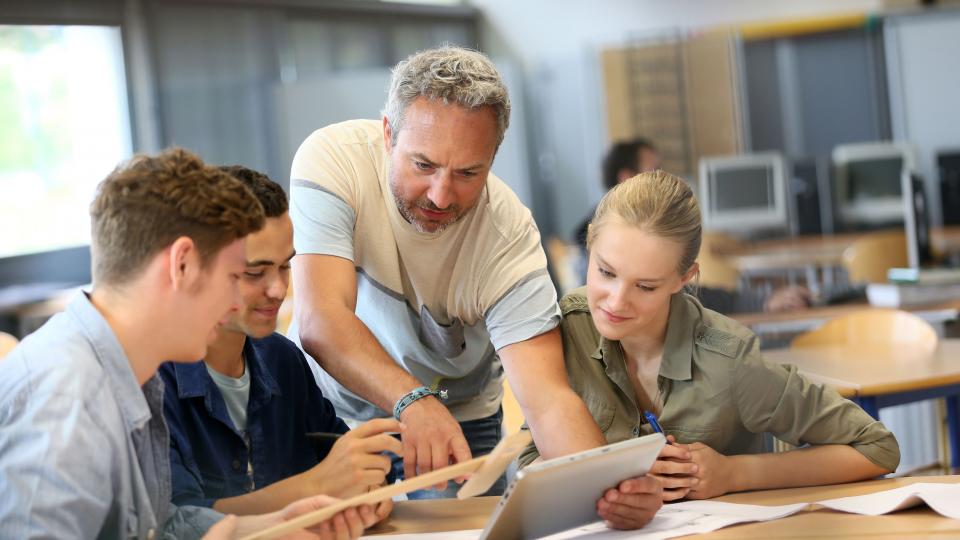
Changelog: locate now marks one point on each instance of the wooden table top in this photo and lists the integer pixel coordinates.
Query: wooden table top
(412, 517)
(872, 371)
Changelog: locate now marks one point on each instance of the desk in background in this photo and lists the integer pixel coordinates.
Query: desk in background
(439, 515)
(886, 376)
(812, 255)
(795, 322)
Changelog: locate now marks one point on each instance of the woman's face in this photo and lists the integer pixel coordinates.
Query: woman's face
(631, 276)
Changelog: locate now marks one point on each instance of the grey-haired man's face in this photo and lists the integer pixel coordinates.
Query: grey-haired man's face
(439, 161)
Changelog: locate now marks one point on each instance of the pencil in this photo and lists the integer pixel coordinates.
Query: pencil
(323, 436)
(328, 436)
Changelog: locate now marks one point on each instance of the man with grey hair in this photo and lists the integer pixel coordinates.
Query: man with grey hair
(419, 272)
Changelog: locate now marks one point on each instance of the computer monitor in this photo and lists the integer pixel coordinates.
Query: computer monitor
(948, 164)
(916, 220)
(867, 183)
(745, 194)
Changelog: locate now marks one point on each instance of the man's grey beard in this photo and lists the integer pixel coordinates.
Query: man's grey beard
(408, 215)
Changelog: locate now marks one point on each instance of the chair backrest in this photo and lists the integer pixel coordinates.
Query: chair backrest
(512, 414)
(7, 343)
(715, 271)
(872, 327)
(868, 259)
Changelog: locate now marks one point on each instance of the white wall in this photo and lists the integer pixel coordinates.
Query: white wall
(923, 91)
(557, 43)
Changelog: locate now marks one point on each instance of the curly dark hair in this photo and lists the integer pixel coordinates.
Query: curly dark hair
(268, 192)
(145, 204)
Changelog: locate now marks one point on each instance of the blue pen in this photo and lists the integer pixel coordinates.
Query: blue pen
(652, 420)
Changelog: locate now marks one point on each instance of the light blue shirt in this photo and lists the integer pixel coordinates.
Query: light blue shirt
(84, 450)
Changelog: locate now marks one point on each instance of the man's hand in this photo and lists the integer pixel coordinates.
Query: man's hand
(714, 472)
(632, 504)
(382, 510)
(355, 463)
(343, 526)
(225, 529)
(432, 439)
(675, 470)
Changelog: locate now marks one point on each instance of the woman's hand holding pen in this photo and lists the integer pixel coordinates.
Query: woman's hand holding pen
(676, 470)
(356, 461)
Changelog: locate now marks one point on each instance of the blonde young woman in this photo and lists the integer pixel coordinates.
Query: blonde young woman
(635, 342)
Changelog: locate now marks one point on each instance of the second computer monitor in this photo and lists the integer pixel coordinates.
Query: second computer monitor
(867, 182)
(745, 194)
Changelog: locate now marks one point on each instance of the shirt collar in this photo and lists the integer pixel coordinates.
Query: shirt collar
(194, 381)
(113, 359)
(677, 347)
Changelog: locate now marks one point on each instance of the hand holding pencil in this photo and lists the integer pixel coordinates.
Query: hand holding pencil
(356, 461)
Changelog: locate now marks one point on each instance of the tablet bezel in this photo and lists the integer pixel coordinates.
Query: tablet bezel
(562, 493)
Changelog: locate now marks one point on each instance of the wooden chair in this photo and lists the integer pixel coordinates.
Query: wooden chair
(7, 343)
(872, 327)
(512, 414)
(868, 259)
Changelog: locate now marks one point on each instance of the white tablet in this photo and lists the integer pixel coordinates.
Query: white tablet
(561, 493)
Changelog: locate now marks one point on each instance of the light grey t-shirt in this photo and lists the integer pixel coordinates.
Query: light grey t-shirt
(441, 304)
(236, 395)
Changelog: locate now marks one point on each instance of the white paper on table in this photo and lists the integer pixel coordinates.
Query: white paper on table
(944, 499)
(747, 512)
(681, 519)
(697, 517)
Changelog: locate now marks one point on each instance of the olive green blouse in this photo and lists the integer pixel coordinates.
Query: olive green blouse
(715, 386)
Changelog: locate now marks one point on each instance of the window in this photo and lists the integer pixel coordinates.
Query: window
(64, 125)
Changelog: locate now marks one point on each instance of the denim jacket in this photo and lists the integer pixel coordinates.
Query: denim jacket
(211, 459)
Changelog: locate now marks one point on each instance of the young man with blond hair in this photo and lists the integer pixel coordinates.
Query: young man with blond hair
(83, 442)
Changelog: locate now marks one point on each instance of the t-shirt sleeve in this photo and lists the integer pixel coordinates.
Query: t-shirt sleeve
(518, 298)
(324, 194)
(778, 399)
(528, 309)
(322, 222)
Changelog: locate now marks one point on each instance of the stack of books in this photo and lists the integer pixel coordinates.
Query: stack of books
(915, 286)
